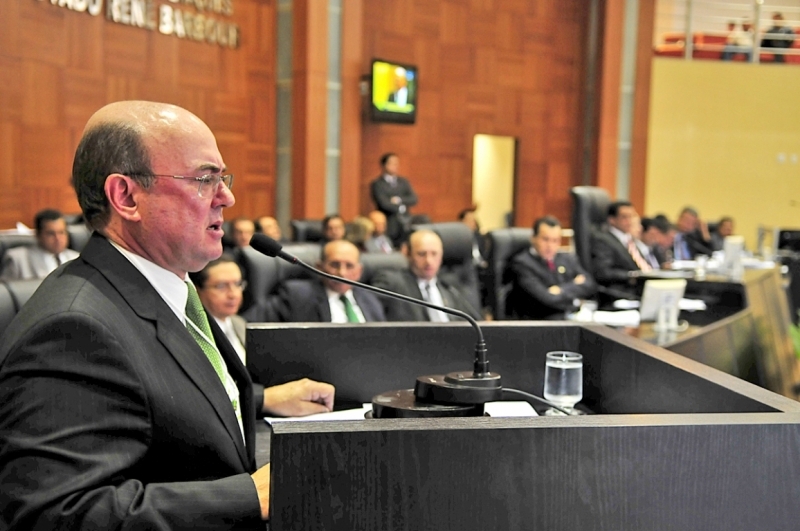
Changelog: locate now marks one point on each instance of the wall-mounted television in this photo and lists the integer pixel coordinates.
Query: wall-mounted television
(394, 92)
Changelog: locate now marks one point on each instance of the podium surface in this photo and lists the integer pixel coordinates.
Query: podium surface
(673, 444)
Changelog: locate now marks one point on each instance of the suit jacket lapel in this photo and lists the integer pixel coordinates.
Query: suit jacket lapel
(145, 301)
(323, 308)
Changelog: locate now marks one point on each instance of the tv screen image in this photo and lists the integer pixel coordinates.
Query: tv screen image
(394, 92)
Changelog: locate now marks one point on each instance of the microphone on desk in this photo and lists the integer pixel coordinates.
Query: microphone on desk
(453, 394)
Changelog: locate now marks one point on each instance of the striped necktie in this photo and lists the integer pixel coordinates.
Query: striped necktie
(641, 263)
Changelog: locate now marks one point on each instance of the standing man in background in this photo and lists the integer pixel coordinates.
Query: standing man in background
(50, 251)
(393, 195)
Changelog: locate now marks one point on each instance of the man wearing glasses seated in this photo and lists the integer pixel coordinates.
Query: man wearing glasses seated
(329, 301)
(220, 287)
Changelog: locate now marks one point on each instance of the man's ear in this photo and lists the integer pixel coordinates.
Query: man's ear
(121, 192)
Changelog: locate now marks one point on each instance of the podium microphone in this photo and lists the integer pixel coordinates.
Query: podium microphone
(453, 394)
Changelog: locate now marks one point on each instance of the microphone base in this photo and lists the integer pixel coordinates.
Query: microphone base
(463, 388)
(404, 405)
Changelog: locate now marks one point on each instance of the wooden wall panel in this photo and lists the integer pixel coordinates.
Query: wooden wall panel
(59, 66)
(501, 67)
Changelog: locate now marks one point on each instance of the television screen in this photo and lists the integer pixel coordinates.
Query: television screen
(394, 92)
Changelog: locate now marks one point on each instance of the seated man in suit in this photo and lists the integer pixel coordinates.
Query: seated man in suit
(657, 235)
(50, 251)
(421, 281)
(380, 241)
(242, 230)
(692, 237)
(326, 300)
(615, 254)
(269, 226)
(724, 229)
(333, 228)
(122, 405)
(546, 283)
(220, 286)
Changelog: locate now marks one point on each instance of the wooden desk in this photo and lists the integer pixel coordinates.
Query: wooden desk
(745, 332)
(675, 444)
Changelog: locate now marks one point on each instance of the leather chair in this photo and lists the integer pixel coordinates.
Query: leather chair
(374, 262)
(589, 213)
(13, 296)
(307, 230)
(78, 236)
(264, 273)
(503, 244)
(457, 264)
(11, 240)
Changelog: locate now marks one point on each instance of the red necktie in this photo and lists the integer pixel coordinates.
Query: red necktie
(551, 265)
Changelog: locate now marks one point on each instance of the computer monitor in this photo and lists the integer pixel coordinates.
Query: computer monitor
(661, 294)
(394, 92)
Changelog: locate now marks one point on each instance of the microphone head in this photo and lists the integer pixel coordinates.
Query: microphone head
(264, 244)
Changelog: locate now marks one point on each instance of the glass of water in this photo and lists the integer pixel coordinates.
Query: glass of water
(563, 380)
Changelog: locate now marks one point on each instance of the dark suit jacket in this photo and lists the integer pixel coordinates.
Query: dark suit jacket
(305, 301)
(110, 413)
(697, 245)
(612, 262)
(531, 277)
(405, 283)
(382, 193)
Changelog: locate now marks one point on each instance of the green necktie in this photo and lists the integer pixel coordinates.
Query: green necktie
(352, 316)
(196, 314)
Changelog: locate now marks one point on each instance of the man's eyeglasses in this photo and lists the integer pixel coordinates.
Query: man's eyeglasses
(207, 184)
(228, 286)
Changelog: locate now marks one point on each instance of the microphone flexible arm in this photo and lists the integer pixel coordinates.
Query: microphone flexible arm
(266, 245)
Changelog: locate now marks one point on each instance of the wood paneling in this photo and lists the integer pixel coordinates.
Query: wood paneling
(59, 66)
(496, 67)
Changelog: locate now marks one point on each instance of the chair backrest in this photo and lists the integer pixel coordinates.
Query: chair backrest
(374, 262)
(503, 244)
(589, 212)
(13, 296)
(13, 239)
(78, 236)
(306, 230)
(264, 273)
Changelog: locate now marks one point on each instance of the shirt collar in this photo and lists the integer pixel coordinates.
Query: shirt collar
(618, 234)
(171, 288)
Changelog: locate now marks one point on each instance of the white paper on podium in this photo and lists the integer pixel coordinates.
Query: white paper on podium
(621, 318)
(510, 408)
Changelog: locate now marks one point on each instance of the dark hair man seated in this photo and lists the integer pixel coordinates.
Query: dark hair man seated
(615, 254)
(421, 281)
(50, 251)
(692, 237)
(546, 283)
(329, 301)
(333, 228)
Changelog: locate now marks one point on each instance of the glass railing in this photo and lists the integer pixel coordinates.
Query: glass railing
(754, 31)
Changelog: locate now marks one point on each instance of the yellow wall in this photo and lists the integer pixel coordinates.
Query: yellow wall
(716, 135)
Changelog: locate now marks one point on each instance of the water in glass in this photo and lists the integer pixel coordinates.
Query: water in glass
(563, 378)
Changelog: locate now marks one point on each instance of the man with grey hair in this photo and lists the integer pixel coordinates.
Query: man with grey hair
(122, 405)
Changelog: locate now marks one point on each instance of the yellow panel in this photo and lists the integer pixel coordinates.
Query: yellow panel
(725, 138)
(493, 179)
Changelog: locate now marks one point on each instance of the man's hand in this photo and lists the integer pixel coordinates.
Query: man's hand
(261, 479)
(299, 398)
(703, 226)
(580, 279)
(396, 200)
(555, 290)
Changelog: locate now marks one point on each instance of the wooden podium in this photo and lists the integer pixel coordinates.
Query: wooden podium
(673, 444)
